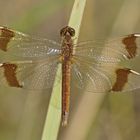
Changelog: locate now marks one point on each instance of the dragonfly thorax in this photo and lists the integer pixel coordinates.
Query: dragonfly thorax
(67, 51)
(67, 43)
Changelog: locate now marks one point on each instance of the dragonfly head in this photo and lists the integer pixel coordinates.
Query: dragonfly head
(67, 31)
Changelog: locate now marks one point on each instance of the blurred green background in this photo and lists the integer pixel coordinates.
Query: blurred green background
(92, 116)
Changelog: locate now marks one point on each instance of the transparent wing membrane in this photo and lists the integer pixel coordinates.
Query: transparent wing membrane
(90, 77)
(33, 48)
(100, 52)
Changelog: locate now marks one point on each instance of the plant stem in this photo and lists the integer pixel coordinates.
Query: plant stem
(51, 127)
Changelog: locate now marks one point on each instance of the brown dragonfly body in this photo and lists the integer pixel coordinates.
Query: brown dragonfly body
(67, 53)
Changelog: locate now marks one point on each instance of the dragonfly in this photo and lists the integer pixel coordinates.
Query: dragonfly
(31, 63)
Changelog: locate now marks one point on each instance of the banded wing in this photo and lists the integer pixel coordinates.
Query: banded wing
(27, 62)
(24, 47)
(99, 64)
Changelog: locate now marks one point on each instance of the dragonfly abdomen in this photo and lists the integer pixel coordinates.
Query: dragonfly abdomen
(66, 73)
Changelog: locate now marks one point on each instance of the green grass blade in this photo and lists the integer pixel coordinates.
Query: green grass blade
(53, 119)
(76, 16)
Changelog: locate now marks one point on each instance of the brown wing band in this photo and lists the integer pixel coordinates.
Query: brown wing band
(121, 79)
(5, 37)
(130, 45)
(10, 74)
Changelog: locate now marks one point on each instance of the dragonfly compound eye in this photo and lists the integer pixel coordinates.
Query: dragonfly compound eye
(67, 30)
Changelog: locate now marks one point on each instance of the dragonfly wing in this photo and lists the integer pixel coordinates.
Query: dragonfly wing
(104, 78)
(23, 47)
(29, 74)
(114, 50)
